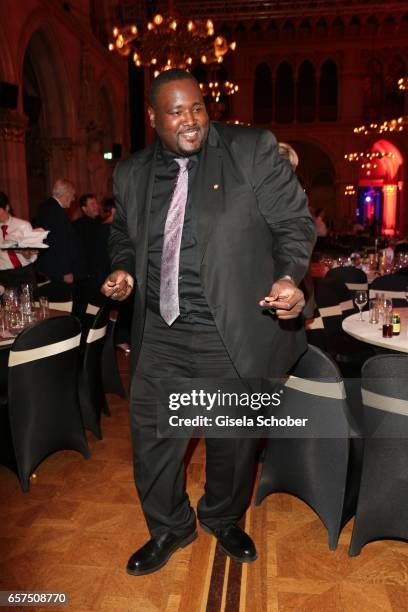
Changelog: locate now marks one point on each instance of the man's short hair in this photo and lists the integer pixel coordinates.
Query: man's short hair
(288, 153)
(84, 198)
(167, 76)
(62, 185)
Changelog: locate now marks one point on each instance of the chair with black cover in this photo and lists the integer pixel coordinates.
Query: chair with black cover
(382, 507)
(349, 353)
(59, 295)
(91, 393)
(392, 286)
(320, 463)
(42, 414)
(345, 297)
(314, 329)
(354, 278)
(112, 382)
(87, 317)
(401, 247)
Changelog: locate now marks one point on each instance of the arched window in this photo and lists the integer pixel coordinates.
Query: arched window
(288, 29)
(256, 27)
(372, 25)
(355, 25)
(272, 29)
(322, 27)
(225, 30)
(338, 26)
(388, 26)
(404, 23)
(263, 94)
(305, 28)
(328, 91)
(373, 90)
(285, 94)
(306, 93)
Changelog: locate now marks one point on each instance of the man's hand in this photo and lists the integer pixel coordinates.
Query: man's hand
(118, 285)
(285, 298)
(68, 278)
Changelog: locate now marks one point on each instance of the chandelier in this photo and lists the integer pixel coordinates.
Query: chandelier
(350, 190)
(167, 43)
(390, 125)
(216, 90)
(403, 83)
(366, 155)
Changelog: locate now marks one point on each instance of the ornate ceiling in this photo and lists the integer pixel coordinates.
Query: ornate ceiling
(259, 9)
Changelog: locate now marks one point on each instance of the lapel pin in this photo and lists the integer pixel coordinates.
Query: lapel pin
(216, 186)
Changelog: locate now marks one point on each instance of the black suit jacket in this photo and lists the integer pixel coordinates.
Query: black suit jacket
(253, 228)
(64, 255)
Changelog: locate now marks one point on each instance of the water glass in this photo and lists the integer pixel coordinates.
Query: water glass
(3, 326)
(44, 307)
(360, 300)
(14, 320)
(373, 311)
(26, 304)
(11, 298)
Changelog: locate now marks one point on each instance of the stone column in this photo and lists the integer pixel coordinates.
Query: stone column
(351, 88)
(13, 175)
(61, 152)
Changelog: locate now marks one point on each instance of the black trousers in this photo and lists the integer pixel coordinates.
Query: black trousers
(184, 351)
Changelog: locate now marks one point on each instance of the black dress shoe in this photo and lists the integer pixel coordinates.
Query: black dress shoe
(156, 552)
(234, 542)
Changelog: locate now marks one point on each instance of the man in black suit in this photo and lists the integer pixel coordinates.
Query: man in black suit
(92, 236)
(246, 233)
(62, 263)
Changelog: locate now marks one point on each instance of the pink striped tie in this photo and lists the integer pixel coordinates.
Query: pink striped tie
(169, 293)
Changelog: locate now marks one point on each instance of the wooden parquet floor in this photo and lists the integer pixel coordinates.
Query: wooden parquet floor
(76, 528)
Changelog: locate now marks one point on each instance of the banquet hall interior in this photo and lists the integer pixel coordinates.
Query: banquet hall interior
(330, 79)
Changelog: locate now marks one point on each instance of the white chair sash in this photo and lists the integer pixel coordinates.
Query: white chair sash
(96, 334)
(330, 311)
(333, 390)
(357, 286)
(49, 350)
(384, 402)
(92, 310)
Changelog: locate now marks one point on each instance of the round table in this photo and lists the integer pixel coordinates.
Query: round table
(6, 342)
(372, 334)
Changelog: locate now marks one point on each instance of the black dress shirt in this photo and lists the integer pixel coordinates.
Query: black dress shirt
(192, 302)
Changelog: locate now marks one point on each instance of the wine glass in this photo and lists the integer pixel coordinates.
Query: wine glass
(360, 300)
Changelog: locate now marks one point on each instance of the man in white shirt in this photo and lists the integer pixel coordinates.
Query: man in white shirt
(15, 265)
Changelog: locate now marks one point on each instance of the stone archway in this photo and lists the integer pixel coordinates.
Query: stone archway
(317, 174)
(45, 103)
(382, 177)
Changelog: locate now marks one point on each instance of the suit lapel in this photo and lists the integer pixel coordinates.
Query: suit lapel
(209, 189)
(142, 183)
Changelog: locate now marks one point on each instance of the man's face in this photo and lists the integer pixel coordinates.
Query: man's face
(4, 215)
(91, 208)
(180, 117)
(67, 198)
